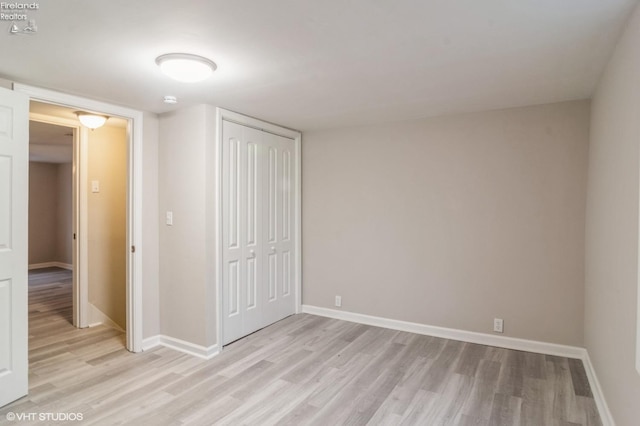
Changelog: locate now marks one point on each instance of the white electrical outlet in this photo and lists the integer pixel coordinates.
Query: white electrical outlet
(498, 325)
(338, 301)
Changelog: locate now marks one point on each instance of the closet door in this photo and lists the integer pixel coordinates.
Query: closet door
(242, 231)
(279, 228)
(258, 207)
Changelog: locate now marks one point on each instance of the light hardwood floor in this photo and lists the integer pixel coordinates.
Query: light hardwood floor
(302, 370)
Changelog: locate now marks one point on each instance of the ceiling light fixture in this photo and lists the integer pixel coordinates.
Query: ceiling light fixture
(186, 67)
(92, 121)
(170, 99)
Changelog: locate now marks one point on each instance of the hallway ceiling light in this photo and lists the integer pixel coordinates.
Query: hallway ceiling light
(186, 67)
(92, 121)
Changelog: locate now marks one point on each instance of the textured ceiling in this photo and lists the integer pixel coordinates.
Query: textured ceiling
(311, 64)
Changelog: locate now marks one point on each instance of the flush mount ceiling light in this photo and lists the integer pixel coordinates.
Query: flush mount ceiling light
(92, 121)
(170, 99)
(186, 67)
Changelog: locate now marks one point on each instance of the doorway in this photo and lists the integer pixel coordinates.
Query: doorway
(133, 241)
(78, 198)
(50, 195)
(50, 255)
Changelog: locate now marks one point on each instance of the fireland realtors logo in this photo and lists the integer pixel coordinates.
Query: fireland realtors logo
(19, 16)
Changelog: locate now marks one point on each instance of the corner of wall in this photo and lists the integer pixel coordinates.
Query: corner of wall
(182, 186)
(151, 243)
(612, 226)
(211, 194)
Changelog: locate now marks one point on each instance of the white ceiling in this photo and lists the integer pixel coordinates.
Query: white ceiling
(311, 64)
(49, 143)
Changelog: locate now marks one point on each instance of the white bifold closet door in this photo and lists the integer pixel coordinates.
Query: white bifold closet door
(258, 229)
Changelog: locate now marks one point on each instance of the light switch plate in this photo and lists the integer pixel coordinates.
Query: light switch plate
(169, 218)
(95, 186)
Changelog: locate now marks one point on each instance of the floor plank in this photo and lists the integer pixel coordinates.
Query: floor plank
(303, 370)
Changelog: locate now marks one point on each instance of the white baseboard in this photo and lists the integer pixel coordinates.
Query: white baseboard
(180, 345)
(451, 333)
(150, 342)
(97, 317)
(483, 339)
(51, 265)
(596, 390)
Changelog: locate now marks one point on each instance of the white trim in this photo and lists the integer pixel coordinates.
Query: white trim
(256, 123)
(51, 265)
(218, 226)
(150, 342)
(181, 346)
(483, 339)
(60, 121)
(596, 390)
(298, 225)
(451, 333)
(134, 199)
(638, 310)
(223, 114)
(82, 226)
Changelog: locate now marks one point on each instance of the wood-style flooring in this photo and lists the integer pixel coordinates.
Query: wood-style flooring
(304, 370)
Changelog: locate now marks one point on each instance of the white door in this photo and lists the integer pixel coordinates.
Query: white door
(14, 192)
(242, 227)
(278, 196)
(258, 225)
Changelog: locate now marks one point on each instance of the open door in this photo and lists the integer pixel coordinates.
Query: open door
(14, 193)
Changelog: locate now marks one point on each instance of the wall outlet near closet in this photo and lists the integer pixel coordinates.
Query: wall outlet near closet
(338, 301)
(498, 325)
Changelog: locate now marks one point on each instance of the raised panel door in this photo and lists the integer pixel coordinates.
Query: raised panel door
(258, 197)
(14, 190)
(242, 231)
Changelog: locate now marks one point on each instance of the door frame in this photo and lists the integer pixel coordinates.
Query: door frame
(134, 200)
(226, 115)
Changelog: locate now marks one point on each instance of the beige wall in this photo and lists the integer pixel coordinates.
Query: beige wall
(452, 221)
(50, 206)
(611, 291)
(106, 220)
(186, 167)
(42, 212)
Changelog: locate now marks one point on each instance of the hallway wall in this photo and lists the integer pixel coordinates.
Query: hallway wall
(50, 234)
(107, 222)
